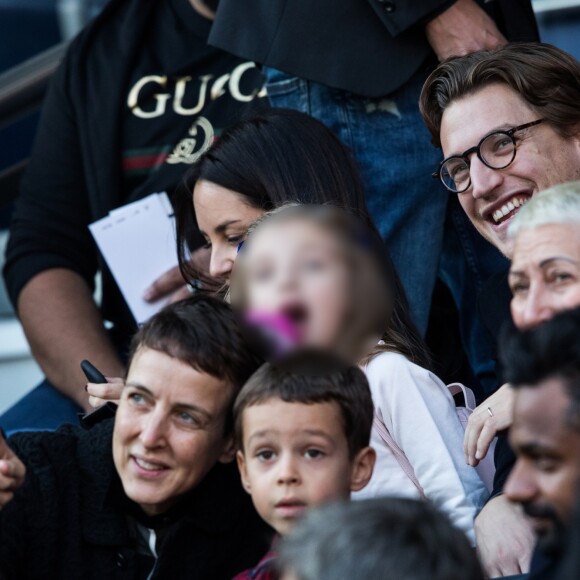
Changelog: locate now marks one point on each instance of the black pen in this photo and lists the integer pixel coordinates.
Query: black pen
(93, 374)
(107, 410)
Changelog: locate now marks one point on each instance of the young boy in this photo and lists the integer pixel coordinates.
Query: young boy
(303, 428)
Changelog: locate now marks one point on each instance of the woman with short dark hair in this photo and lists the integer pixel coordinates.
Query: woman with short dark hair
(152, 493)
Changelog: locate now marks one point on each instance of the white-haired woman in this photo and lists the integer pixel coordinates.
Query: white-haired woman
(544, 279)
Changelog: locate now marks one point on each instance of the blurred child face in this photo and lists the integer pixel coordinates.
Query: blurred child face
(297, 270)
(169, 429)
(223, 218)
(295, 456)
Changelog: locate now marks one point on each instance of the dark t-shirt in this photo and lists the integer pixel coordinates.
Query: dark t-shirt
(178, 99)
(137, 96)
(494, 308)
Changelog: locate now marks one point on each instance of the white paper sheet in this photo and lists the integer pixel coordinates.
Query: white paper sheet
(138, 244)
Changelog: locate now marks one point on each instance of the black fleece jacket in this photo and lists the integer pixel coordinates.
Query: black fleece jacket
(70, 518)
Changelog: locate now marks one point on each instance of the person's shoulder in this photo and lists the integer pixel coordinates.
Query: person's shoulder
(30, 442)
(46, 450)
(222, 489)
(222, 485)
(395, 370)
(50, 447)
(114, 27)
(265, 570)
(114, 14)
(393, 362)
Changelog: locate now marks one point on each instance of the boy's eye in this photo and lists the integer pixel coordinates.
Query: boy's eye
(314, 453)
(265, 455)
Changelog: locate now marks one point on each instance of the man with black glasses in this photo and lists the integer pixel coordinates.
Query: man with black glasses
(508, 124)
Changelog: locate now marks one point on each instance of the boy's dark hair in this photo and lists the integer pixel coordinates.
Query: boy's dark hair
(546, 77)
(550, 350)
(310, 376)
(203, 332)
(389, 538)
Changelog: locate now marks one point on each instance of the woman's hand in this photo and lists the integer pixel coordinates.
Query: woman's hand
(483, 425)
(171, 284)
(12, 472)
(101, 393)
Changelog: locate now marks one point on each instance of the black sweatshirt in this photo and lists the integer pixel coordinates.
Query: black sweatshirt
(71, 519)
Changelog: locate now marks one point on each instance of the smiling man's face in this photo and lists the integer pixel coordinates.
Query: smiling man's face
(543, 158)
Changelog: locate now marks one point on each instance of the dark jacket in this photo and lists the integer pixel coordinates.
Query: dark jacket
(69, 521)
(366, 47)
(493, 304)
(76, 171)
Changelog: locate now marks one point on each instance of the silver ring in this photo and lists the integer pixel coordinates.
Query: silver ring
(489, 411)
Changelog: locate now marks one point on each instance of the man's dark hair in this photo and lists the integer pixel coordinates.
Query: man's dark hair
(550, 350)
(547, 78)
(310, 376)
(204, 333)
(388, 539)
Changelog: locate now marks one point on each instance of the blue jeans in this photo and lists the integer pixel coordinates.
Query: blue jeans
(394, 153)
(43, 409)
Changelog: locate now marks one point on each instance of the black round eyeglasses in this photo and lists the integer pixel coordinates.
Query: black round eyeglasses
(496, 150)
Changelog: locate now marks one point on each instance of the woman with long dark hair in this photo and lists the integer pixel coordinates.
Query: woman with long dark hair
(259, 164)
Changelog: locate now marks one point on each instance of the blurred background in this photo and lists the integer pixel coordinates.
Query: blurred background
(34, 35)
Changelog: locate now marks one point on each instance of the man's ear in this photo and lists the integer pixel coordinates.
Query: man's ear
(362, 468)
(243, 471)
(228, 452)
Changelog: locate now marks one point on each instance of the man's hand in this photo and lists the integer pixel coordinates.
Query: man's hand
(64, 326)
(482, 426)
(12, 472)
(101, 393)
(171, 285)
(462, 29)
(505, 540)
